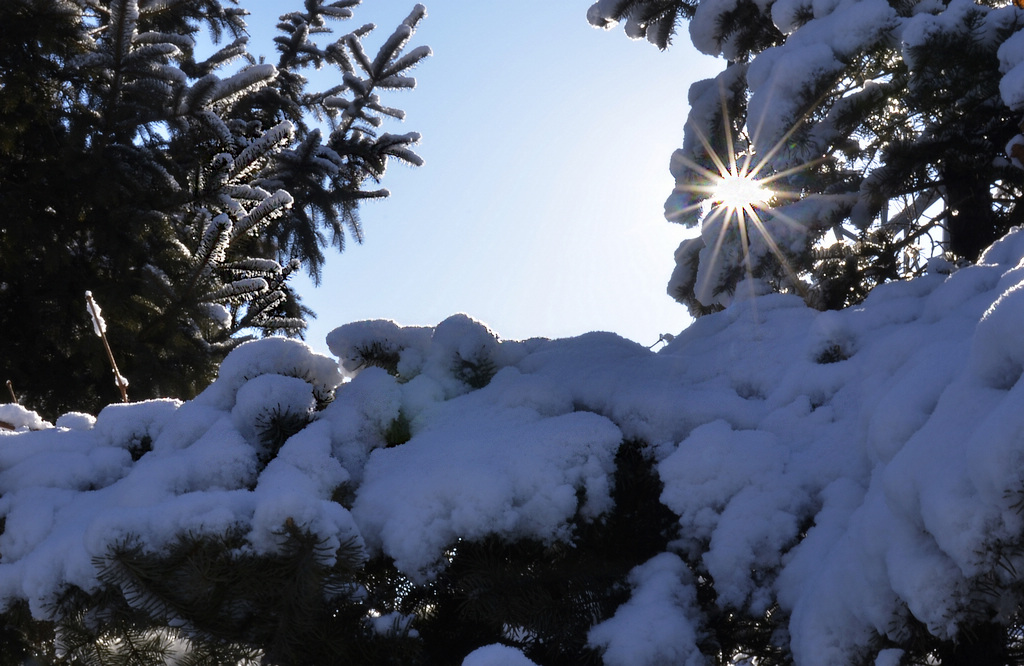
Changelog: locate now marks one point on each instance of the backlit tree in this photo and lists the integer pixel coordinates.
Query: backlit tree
(877, 130)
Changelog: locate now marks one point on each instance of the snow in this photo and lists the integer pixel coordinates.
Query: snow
(856, 468)
(484, 465)
(99, 325)
(76, 421)
(656, 626)
(18, 418)
(496, 655)
(1011, 64)
(280, 356)
(704, 24)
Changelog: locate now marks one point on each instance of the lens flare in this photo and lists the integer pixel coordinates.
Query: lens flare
(739, 192)
(737, 197)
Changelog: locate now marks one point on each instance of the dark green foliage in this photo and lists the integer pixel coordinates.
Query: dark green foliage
(182, 192)
(293, 606)
(833, 353)
(398, 431)
(275, 426)
(475, 373)
(894, 151)
(212, 599)
(540, 597)
(101, 628)
(983, 636)
(209, 599)
(987, 642)
(846, 273)
(140, 447)
(747, 25)
(934, 132)
(731, 634)
(990, 641)
(382, 355)
(24, 640)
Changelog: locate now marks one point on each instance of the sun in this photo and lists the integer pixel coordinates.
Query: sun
(740, 192)
(741, 199)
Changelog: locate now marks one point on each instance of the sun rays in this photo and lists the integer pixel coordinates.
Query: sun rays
(738, 199)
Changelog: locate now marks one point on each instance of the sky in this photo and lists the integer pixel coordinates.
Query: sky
(539, 209)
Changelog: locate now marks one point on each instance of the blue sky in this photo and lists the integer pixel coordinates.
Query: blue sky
(539, 208)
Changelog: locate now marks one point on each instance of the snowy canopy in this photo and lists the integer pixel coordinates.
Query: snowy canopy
(885, 131)
(858, 468)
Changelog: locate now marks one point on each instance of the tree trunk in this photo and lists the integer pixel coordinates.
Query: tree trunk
(972, 224)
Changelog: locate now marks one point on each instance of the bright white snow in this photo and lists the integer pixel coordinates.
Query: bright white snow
(853, 467)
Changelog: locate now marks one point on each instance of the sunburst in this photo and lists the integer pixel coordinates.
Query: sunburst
(737, 199)
(739, 191)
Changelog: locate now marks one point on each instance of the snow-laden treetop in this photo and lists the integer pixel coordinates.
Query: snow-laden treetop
(858, 471)
(887, 132)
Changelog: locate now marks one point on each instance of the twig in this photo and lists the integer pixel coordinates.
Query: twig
(10, 389)
(100, 327)
(664, 337)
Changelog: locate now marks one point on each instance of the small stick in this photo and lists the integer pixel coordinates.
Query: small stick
(100, 326)
(10, 389)
(664, 337)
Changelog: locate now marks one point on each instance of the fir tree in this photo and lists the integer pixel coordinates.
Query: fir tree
(181, 192)
(879, 129)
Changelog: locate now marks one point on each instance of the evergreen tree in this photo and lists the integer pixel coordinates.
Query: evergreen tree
(182, 192)
(877, 129)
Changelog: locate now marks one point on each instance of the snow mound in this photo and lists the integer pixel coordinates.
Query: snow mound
(459, 354)
(151, 472)
(282, 356)
(496, 655)
(656, 626)
(17, 418)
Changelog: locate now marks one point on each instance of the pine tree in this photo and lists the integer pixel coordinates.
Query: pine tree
(878, 130)
(182, 192)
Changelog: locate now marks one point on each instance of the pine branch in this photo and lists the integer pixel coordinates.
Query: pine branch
(247, 161)
(286, 603)
(250, 78)
(266, 210)
(213, 245)
(238, 291)
(199, 95)
(233, 51)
